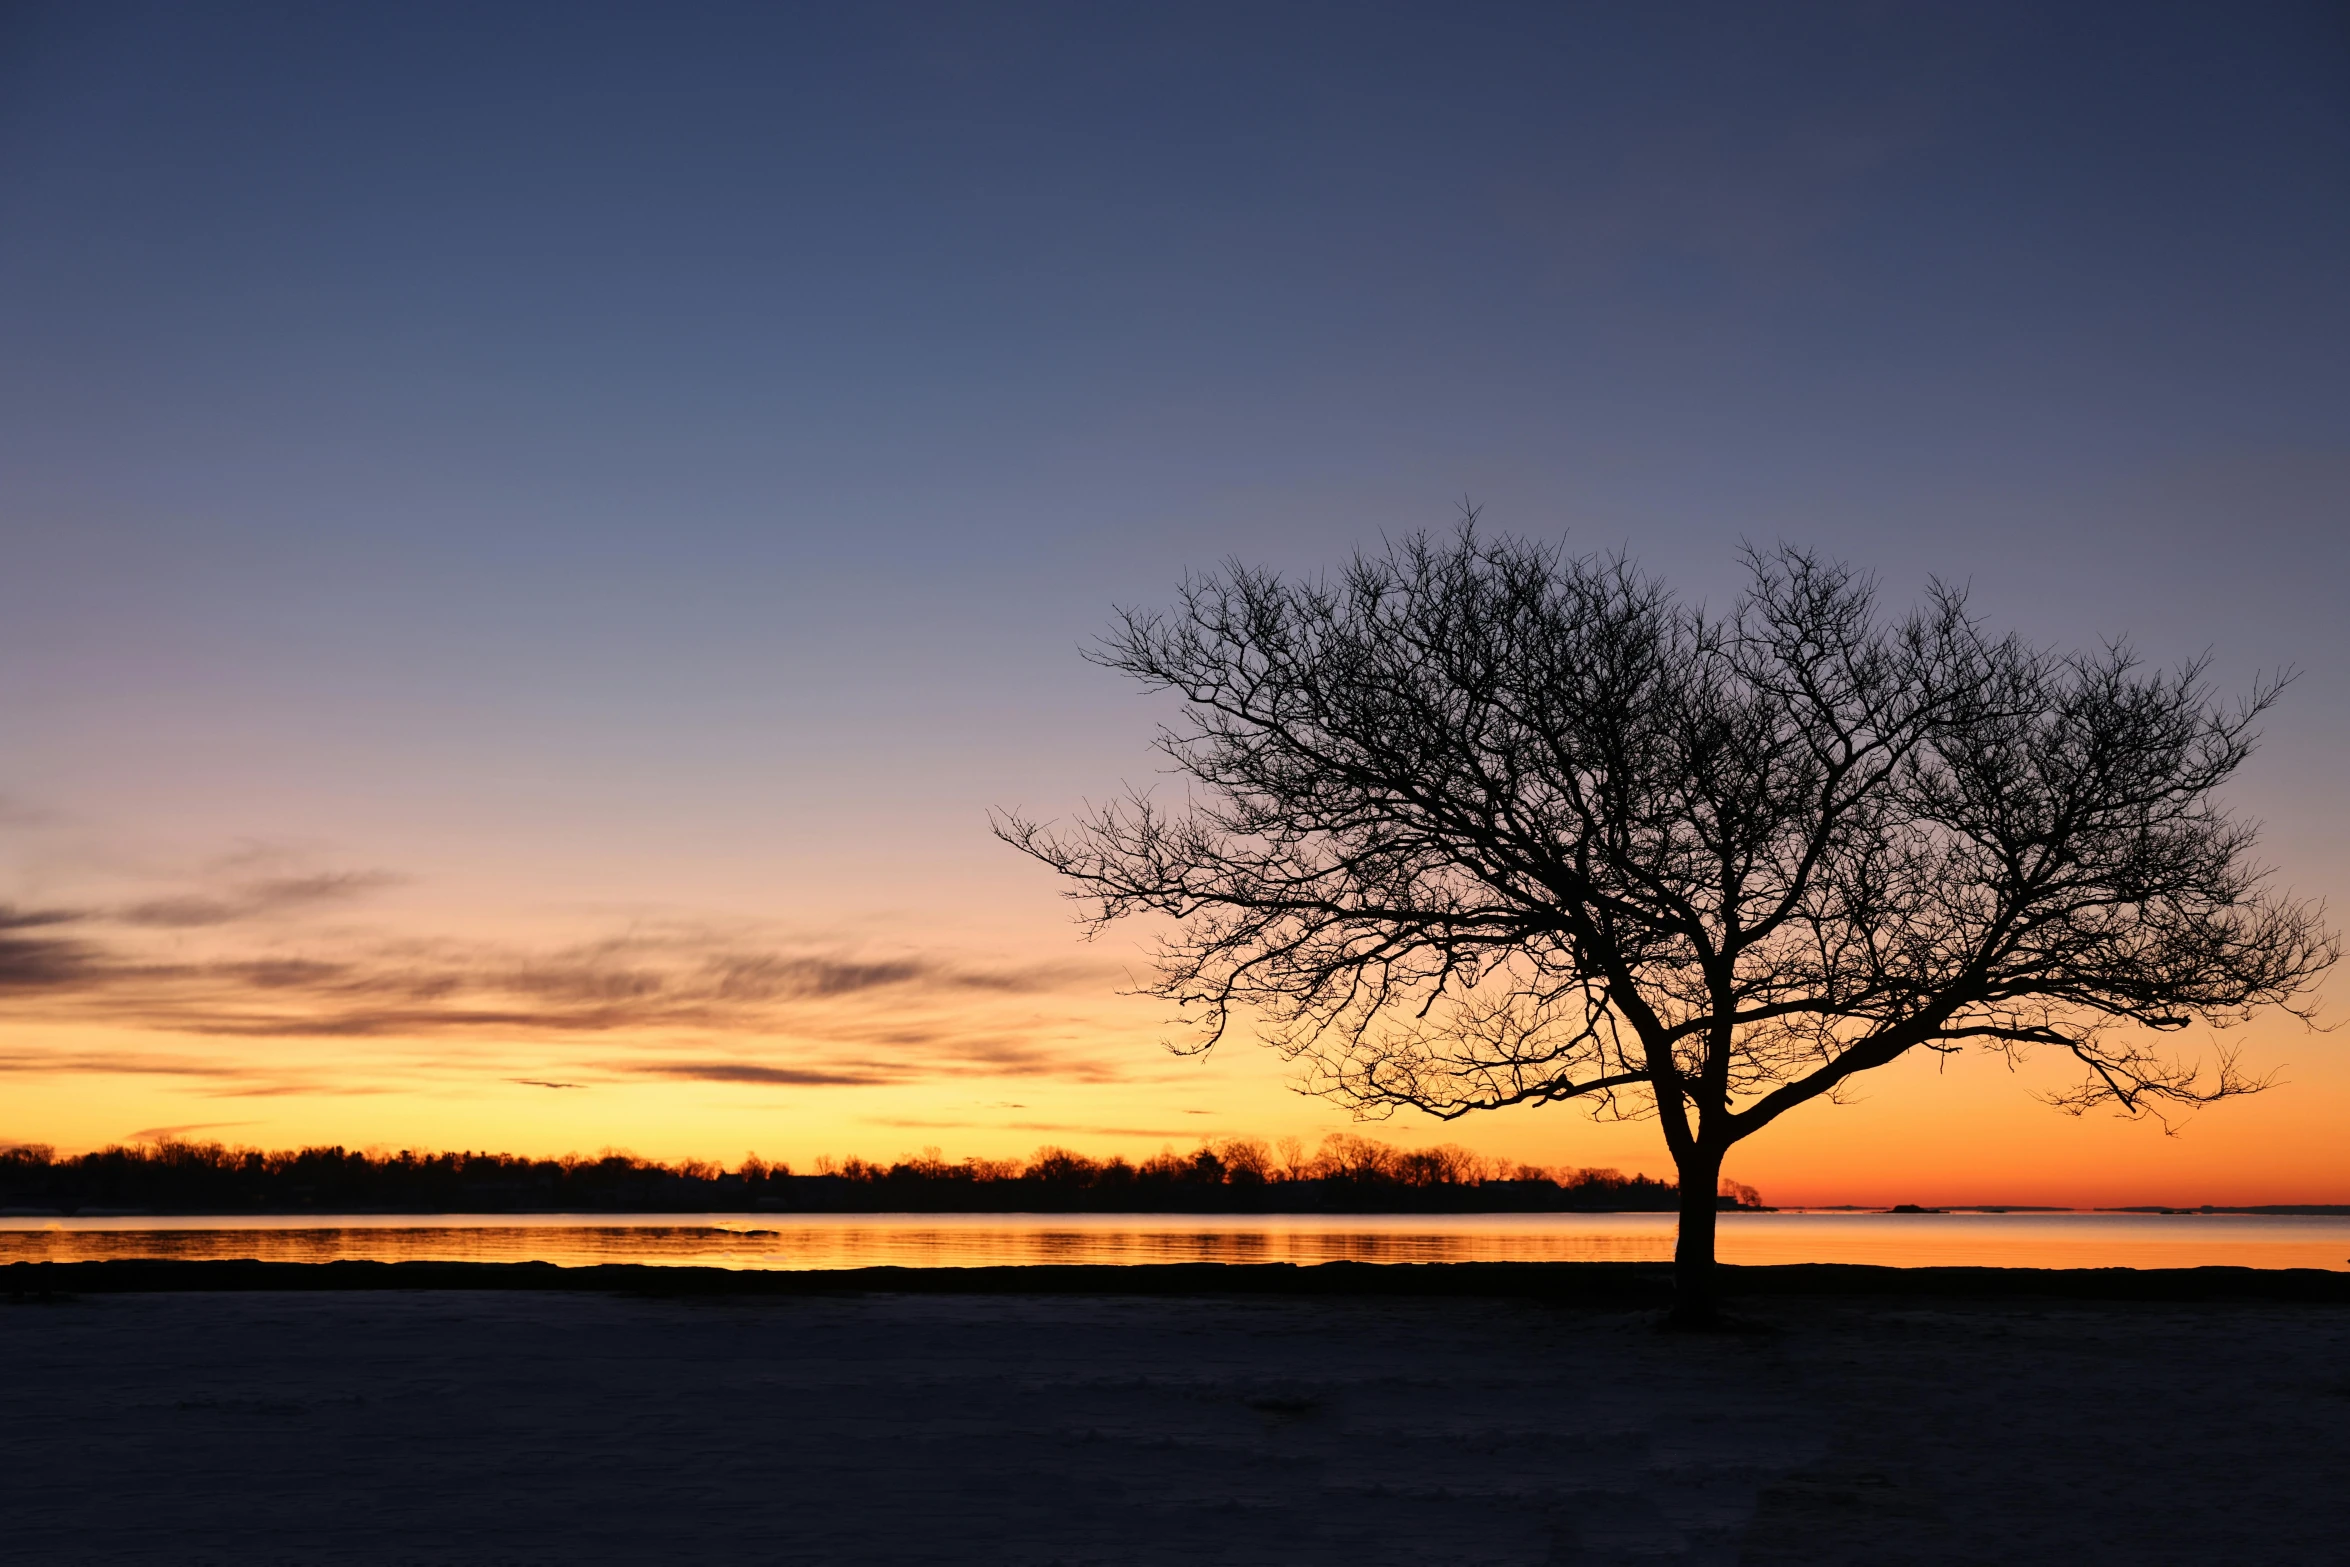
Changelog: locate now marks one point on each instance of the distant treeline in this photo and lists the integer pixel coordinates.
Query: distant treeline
(1347, 1174)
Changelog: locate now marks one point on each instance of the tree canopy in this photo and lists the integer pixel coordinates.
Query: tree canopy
(1478, 823)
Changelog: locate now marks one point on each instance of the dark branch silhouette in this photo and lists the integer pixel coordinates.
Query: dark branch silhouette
(1481, 824)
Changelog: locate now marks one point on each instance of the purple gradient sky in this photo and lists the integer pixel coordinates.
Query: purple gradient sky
(608, 464)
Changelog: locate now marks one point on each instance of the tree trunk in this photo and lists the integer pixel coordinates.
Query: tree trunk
(1693, 1248)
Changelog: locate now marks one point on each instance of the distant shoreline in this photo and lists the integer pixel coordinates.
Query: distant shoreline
(1236, 1177)
(1299, 1210)
(1618, 1283)
(1204, 1211)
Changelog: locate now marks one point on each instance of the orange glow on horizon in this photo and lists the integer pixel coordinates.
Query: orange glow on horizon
(432, 1013)
(1969, 1132)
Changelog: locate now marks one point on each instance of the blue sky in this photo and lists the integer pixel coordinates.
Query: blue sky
(573, 461)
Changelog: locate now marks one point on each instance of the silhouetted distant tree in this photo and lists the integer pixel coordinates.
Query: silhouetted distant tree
(1229, 1175)
(1482, 824)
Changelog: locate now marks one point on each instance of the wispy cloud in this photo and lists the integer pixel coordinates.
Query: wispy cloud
(156, 1134)
(128, 1063)
(674, 1004)
(43, 962)
(239, 956)
(14, 918)
(207, 1077)
(1060, 1128)
(252, 900)
(779, 1076)
(36, 963)
(411, 989)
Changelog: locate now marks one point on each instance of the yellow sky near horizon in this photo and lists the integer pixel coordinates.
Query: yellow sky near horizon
(276, 998)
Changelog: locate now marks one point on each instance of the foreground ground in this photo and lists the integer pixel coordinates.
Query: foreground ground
(493, 1427)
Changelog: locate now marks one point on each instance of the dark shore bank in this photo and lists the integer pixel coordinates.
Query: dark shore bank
(226, 1413)
(1627, 1284)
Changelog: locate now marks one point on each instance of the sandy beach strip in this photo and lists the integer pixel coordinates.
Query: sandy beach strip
(500, 1425)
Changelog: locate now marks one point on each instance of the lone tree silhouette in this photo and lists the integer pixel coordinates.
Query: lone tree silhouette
(1483, 824)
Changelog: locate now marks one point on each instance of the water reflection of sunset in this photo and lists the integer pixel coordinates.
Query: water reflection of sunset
(2043, 1240)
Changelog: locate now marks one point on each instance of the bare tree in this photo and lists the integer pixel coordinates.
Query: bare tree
(1483, 824)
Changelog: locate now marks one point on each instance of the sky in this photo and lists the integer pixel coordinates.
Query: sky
(531, 538)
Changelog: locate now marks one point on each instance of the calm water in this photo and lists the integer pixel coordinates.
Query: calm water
(2041, 1240)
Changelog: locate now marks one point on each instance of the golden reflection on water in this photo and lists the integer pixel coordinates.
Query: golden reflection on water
(2063, 1240)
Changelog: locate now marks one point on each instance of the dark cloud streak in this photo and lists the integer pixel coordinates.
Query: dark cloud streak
(851, 1021)
(600, 988)
(42, 964)
(780, 1076)
(14, 918)
(182, 965)
(255, 900)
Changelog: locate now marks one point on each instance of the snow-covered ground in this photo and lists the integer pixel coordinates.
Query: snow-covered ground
(492, 1428)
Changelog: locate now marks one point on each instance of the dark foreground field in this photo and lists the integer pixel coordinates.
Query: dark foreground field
(505, 1426)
